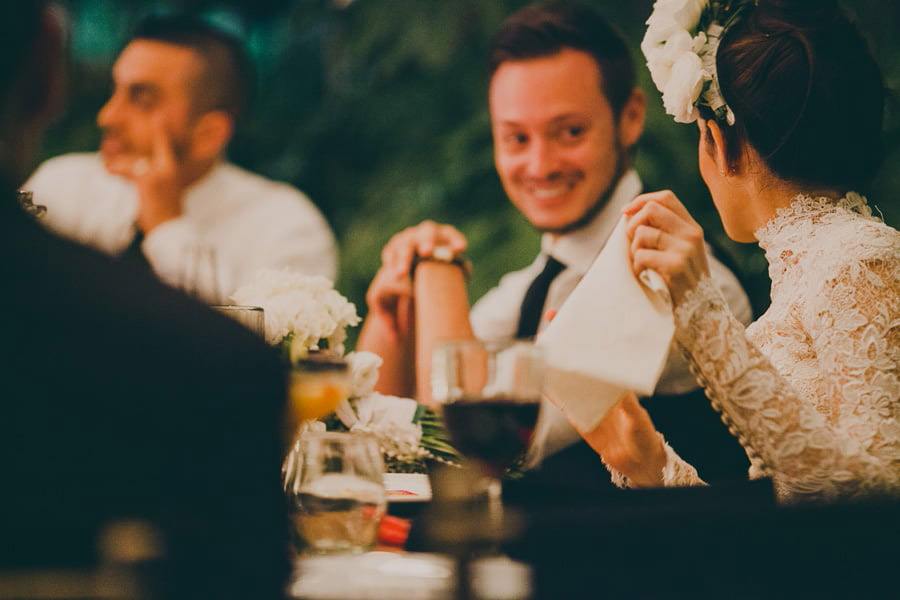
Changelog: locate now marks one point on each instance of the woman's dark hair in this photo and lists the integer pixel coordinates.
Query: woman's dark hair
(547, 28)
(806, 93)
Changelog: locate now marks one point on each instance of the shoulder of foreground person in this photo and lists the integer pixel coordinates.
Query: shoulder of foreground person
(121, 306)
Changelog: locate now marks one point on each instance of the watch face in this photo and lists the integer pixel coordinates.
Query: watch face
(443, 254)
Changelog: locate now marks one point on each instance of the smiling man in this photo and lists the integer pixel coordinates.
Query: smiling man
(565, 116)
(160, 190)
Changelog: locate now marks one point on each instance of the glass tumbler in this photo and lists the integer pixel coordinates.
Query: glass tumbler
(340, 499)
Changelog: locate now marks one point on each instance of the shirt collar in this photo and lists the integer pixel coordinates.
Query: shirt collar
(578, 249)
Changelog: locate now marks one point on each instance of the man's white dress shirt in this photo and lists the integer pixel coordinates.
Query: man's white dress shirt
(233, 223)
(496, 315)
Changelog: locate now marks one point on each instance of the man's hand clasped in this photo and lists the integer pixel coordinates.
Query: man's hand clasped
(391, 290)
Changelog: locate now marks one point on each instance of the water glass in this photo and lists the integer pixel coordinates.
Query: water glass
(340, 498)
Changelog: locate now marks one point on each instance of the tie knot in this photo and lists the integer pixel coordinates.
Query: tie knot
(553, 267)
(535, 298)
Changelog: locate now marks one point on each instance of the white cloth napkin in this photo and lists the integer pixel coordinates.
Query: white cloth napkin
(610, 336)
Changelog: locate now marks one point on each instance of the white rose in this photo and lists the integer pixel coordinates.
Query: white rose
(661, 59)
(684, 87)
(687, 13)
(363, 372)
(669, 15)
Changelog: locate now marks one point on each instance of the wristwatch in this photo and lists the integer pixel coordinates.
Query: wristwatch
(444, 254)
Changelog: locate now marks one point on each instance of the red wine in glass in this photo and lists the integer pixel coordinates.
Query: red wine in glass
(494, 431)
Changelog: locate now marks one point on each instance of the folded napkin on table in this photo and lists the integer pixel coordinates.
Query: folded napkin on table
(610, 336)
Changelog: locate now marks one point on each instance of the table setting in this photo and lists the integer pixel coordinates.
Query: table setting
(361, 465)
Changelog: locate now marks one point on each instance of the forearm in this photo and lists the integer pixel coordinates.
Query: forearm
(396, 377)
(442, 314)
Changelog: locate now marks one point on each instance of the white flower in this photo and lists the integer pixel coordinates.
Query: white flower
(661, 59)
(682, 60)
(389, 419)
(306, 306)
(363, 373)
(669, 17)
(687, 12)
(684, 87)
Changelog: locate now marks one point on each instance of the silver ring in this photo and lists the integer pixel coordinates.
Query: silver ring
(140, 167)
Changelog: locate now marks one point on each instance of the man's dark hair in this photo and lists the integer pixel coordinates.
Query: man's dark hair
(227, 80)
(547, 28)
(19, 25)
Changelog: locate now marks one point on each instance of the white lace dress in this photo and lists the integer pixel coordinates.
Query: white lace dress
(811, 389)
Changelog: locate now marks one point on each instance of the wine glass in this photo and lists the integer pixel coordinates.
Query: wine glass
(340, 499)
(490, 396)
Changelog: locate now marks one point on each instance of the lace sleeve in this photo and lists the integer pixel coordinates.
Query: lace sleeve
(676, 473)
(853, 327)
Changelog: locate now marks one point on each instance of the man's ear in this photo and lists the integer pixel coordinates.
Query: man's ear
(631, 118)
(44, 83)
(211, 134)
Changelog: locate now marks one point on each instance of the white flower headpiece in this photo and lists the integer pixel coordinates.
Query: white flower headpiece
(680, 46)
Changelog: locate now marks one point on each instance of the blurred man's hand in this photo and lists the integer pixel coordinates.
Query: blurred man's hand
(157, 177)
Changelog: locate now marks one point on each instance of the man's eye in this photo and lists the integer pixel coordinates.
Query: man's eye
(573, 132)
(143, 99)
(517, 139)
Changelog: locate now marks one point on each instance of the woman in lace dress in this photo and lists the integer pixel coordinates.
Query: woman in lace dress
(790, 125)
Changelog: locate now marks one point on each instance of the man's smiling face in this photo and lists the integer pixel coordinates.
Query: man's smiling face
(556, 145)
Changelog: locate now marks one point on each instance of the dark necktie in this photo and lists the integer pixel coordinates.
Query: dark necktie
(536, 297)
(133, 253)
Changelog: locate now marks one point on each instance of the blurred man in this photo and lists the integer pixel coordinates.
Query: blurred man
(121, 399)
(160, 191)
(565, 116)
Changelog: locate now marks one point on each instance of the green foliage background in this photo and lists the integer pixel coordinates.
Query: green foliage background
(376, 109)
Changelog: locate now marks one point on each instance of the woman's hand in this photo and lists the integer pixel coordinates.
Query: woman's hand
(629, 443)
(664, 237)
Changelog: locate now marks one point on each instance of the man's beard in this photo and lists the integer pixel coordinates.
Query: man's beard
(602, 200)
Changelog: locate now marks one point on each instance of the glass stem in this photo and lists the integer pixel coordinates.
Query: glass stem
(495, 506)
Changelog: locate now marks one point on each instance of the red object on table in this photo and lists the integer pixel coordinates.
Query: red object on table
(393, 531)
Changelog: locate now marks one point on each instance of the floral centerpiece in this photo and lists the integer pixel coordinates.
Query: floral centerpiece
(305, 315)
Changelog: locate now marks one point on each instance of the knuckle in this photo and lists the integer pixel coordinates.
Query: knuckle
(695, 235)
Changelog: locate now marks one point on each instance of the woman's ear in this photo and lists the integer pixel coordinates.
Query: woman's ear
(717, 149)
